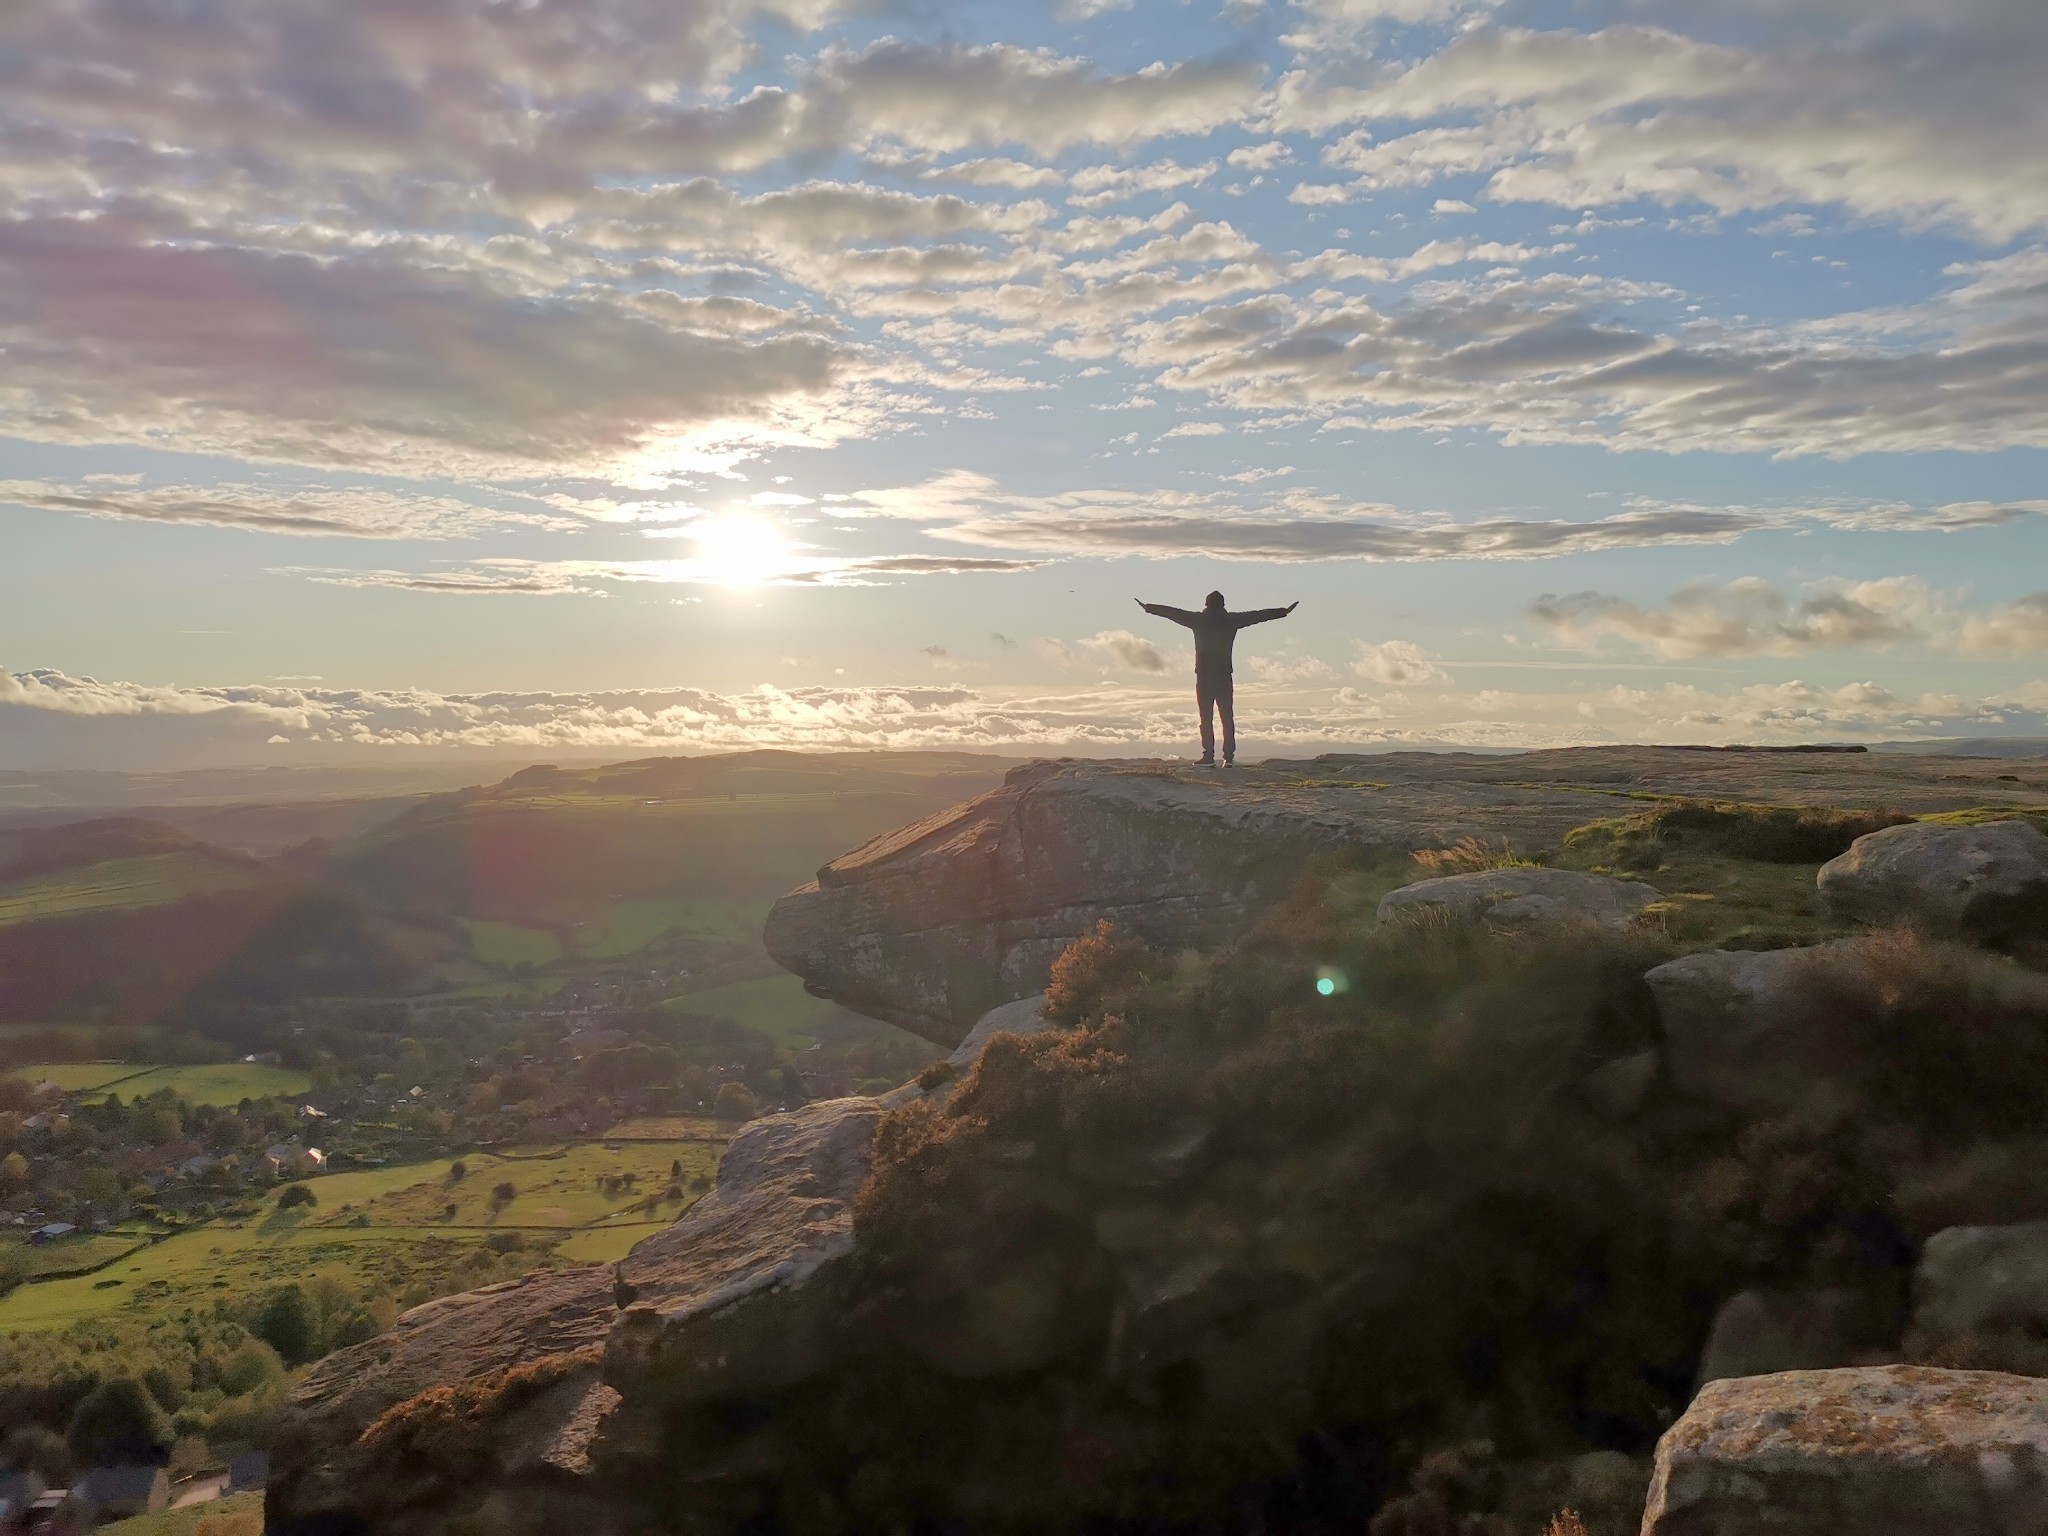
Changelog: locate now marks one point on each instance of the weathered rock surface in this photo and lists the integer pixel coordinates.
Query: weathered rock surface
(1878, 1451)
(1727, 1037)
(727, 1300)
(932, 926)
(1988, 881)
(1522, 898)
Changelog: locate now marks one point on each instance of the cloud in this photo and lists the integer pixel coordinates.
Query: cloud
(583, 578)
(50, 719)
(1586, 119)
(1397, 663)
(1124, 649)
(351, 512)
(1751, 617)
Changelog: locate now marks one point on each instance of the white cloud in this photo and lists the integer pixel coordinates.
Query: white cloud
(1748, 617)
(1121, 648)
(352, 512)
(1397, 663)
(1933, 117)
(49, 718)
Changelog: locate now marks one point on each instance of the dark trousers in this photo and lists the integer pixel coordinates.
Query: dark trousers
(1213, 695)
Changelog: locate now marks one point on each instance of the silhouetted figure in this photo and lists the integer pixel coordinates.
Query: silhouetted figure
(1216, 630)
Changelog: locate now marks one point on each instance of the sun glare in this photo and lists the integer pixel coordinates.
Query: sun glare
(739, 551)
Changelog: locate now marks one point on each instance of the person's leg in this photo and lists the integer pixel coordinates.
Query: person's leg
(1205, 704)
(1226, 706)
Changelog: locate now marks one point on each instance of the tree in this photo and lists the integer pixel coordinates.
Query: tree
(457, 1171)
(13, 1170)
(117, 1423)
(287, 1324)
(734, 1102)
(502, 1195)
(33, 1448)
(297, 1194)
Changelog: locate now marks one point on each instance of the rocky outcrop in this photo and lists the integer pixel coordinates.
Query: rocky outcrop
(1728, 1036)
(728, 1301)
(496, 1406)
(1522, 898)
(1879, 1451)
(930, 927)
(1988, 881)
(1980, 1298)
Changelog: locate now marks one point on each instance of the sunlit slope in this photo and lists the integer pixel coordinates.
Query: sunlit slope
(609, 860)
(124, 920)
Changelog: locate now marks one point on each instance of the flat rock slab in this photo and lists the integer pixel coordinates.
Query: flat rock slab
(1875, 1451)
(1523, 898)
(930, 927)
(1987, 881)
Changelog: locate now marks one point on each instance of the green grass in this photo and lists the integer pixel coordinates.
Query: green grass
(557, 1189)
(239, 1514)
(80, 1251)
(507, 944)
(78, 1076)
(227, 1082)
(629, 926)
(149, 881)
(775, 1005)
(406, 1242)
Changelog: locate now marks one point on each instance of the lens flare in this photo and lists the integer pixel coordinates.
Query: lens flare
(1330, 981)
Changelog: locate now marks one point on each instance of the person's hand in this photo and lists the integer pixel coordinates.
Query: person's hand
(1292, 606)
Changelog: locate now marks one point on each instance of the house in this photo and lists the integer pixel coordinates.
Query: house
(115, 1493)
(193, 1166)
(287, 1157)
(308, 1112)
(251, 1469)
(51, 1232)
(18, 1490)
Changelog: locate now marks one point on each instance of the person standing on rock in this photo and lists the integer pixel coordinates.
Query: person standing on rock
(1216, 630)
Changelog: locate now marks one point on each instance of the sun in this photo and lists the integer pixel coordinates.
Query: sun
(737, 550)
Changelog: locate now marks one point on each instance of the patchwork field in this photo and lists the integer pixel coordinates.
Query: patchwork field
(221, 1083)
(146, 881)
(391, 1226)
(240, 1515)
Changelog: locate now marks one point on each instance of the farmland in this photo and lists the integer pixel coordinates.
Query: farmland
(220, 1083)
(390, 1226)
(778, 1006)
(146, 881)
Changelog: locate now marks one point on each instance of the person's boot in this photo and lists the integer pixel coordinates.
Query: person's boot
(1205, 762)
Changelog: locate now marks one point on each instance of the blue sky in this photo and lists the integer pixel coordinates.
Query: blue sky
(620, 375)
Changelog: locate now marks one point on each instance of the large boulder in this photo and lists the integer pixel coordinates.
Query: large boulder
(1523, 897)
(1876, 1451)
(1758, 1332)
(1988, 881)
(1980, 1297)
(1729, 1037)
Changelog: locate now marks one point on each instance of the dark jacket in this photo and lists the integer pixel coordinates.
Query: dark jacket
(1215, 631)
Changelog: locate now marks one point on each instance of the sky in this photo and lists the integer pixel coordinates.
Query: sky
(562, 377)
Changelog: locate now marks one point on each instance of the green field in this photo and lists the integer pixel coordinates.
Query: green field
(239, 1515)
(556, 1190)
(80, 1251)
(78, 1076)
(227, 1082)
(507, 944)
(775, 1005)
(149, 881)
(407, 1240)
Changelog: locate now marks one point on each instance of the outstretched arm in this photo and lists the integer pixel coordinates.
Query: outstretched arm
(1178, 615)
(1265, 615)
